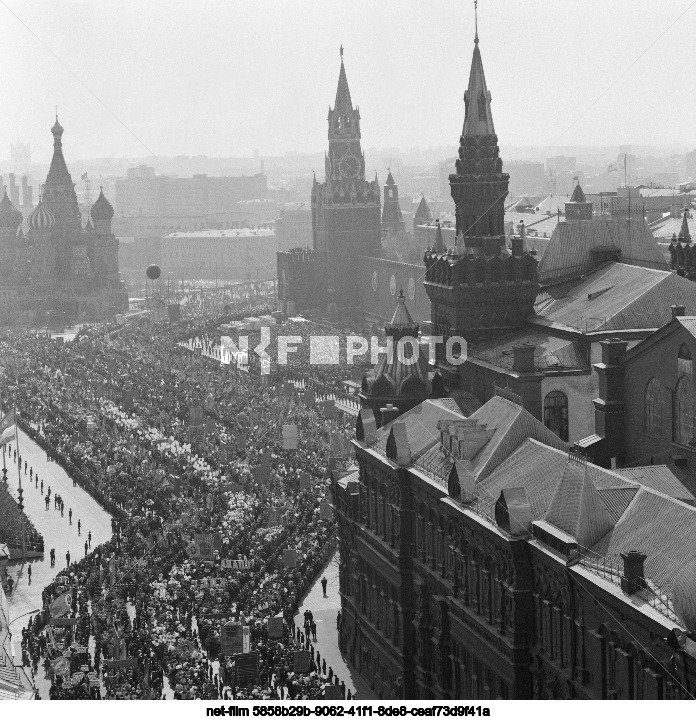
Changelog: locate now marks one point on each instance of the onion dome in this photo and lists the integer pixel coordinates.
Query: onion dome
(41, 218)
(102, 209)
(10, 217)
(684, 596)
(57, 128)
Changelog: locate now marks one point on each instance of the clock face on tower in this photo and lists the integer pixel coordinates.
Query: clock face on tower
(349, 166)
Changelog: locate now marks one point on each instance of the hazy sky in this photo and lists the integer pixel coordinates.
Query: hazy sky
(222, 77)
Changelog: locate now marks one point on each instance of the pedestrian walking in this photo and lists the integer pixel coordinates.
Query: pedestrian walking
(42, 487)
(89, 538)
(48, 502)
(313, 627)
(53, 557)
(324, 583)
(85, 548)
(31, 473)
(70, 515)
(61, 510)
(67, 558)
(79, 526)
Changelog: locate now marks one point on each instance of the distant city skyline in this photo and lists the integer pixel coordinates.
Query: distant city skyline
(223, 79)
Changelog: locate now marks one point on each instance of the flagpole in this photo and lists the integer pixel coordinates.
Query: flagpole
(20, 492)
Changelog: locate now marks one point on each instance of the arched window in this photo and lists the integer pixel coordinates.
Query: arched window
(684, 361)
(556, 413)
(653, 408)
(684, 412)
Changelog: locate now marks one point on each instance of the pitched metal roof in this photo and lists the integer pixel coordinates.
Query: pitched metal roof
(616, 297)
(421, 426)
(673, 226)
(568, 254)
(539, 468)
(513, 425)
(659, 526)
(670, 480)
(577, 508)
(551, 351)
(689, 322)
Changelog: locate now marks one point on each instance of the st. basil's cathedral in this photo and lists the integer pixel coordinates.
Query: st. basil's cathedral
(58, 272)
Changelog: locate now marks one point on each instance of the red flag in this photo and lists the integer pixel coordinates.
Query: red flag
(61, 606)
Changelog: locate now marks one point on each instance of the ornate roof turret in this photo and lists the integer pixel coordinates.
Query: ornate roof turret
(390, 179)
(10, 217)
(41, 218)
(102, 208)
(578, 195)
(396, 379)
(439, 246)
(578, 207)
(402, 324)
(684, 232)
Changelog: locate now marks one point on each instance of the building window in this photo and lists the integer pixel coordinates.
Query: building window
(556, 413)
(684, 361)
(653, 410)
(684, 412)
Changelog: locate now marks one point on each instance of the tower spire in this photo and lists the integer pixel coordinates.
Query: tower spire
(478, 119)
(476, 21)
(343, 101)
(58, 171)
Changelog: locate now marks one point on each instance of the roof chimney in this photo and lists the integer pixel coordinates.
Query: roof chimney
(523, 358)
(633, 571)
(387, 414)
(612, 350)
(678, 311)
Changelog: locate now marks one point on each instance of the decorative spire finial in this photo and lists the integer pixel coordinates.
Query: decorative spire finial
(341, 51)
(476, 20)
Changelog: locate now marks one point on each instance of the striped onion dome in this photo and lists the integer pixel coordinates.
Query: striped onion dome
(684, 596)
(41, 218)
(10, 217)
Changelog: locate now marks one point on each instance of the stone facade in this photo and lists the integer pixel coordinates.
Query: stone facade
(452, 588)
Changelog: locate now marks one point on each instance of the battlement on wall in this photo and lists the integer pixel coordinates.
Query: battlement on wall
(449, 269)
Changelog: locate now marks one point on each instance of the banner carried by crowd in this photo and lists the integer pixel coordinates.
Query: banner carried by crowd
(228, 526)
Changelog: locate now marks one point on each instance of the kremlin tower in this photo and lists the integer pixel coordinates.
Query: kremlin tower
(479, 288)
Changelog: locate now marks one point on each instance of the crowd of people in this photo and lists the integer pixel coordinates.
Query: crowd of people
(215, 522)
